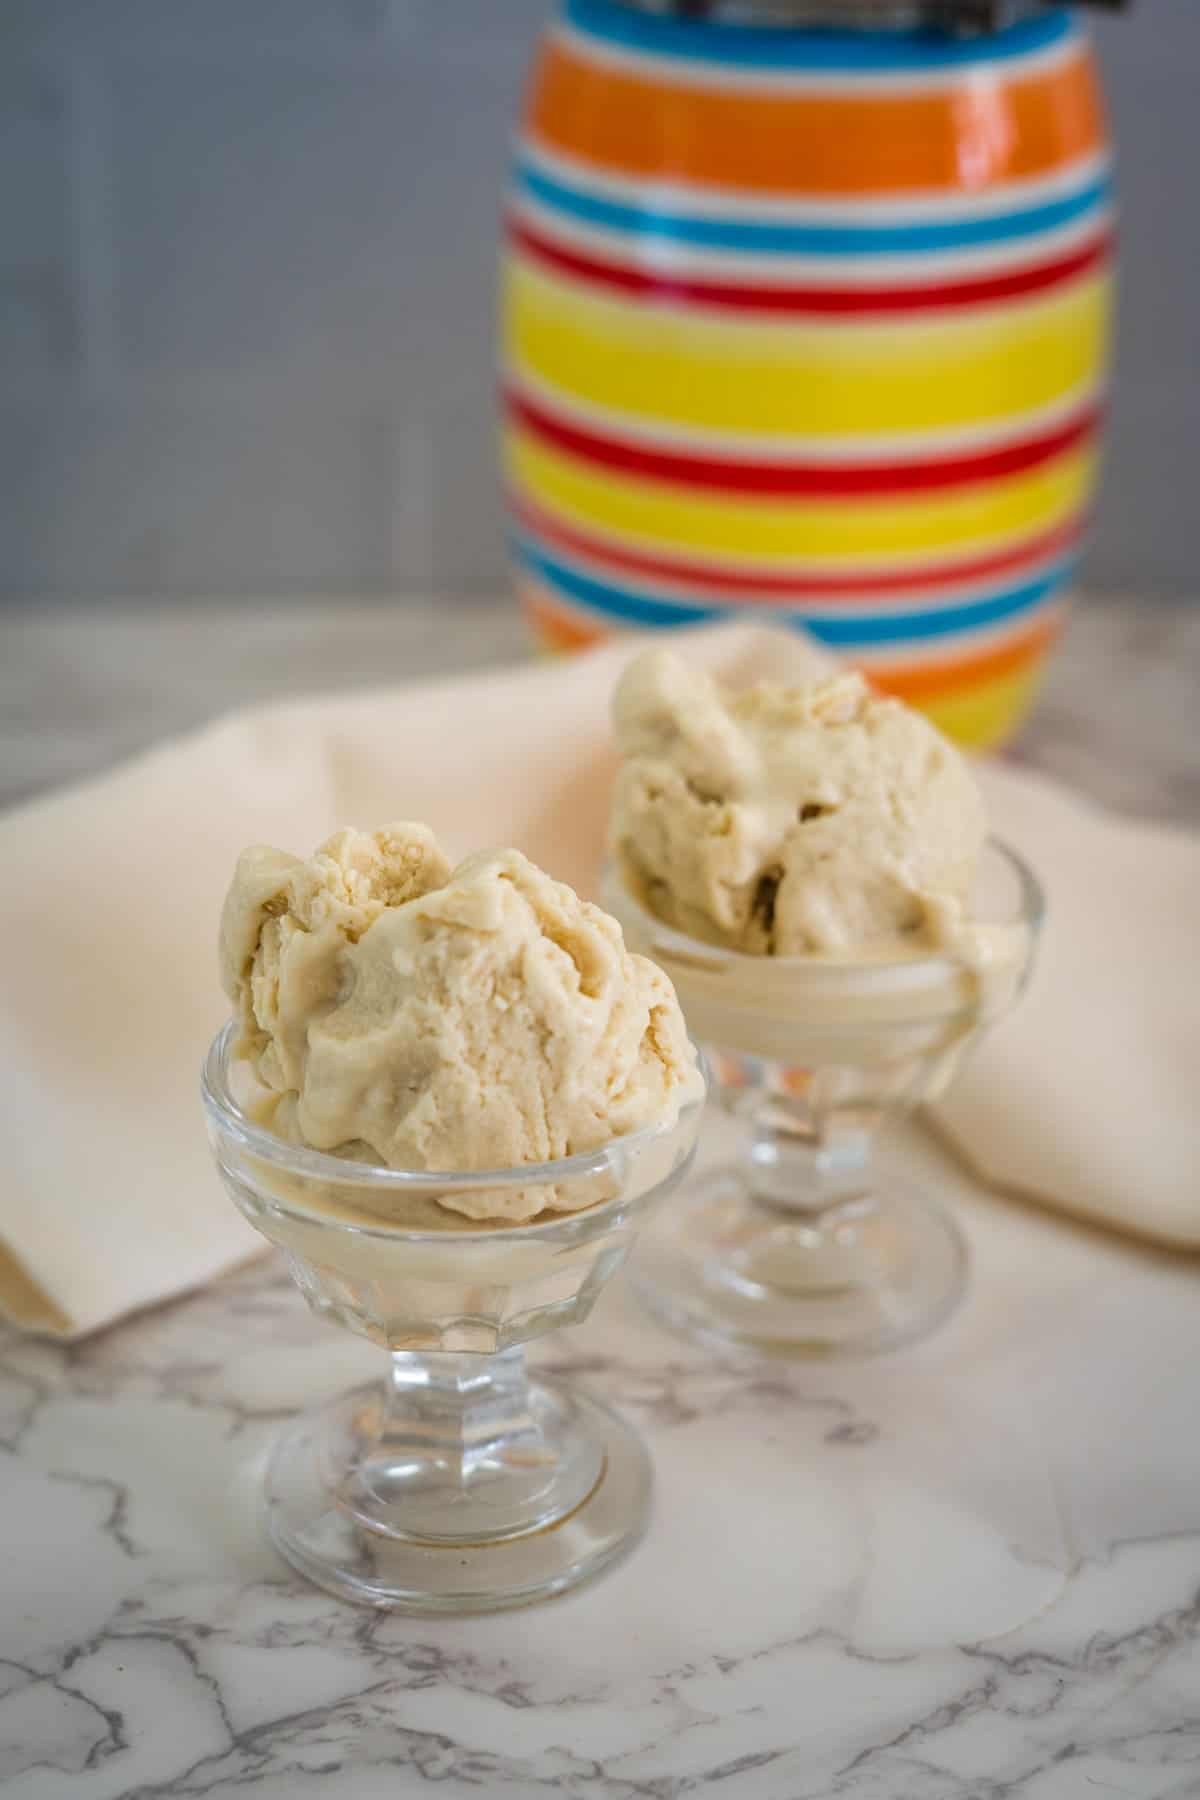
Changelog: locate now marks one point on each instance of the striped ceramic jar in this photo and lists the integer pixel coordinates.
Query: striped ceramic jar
(813, 324)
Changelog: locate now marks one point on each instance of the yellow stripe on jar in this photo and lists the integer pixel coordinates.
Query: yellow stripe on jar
(641, 514)
(684, 368)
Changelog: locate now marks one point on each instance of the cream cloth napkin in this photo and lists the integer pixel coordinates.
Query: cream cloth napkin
(1085, 1098)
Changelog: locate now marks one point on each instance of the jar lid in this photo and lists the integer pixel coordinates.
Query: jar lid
(949, 15)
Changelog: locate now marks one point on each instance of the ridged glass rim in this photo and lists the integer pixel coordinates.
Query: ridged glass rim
(231, 1122)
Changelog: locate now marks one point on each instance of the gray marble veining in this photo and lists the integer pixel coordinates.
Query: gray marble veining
(968, 1572)
(823, 1606)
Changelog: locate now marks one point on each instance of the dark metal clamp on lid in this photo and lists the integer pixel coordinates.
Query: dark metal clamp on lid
(946, 15)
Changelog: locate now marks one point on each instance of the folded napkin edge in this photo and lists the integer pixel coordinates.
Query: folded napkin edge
(25, 1303)
(1149, 1233)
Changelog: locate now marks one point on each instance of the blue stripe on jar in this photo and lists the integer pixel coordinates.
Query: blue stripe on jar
(774, 238)
(841, 630)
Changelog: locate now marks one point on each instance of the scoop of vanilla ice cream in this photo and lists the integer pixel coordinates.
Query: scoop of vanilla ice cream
(482, 1019)
(286, 923)
(790, 820)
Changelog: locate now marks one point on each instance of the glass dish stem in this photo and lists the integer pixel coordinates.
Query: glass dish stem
(459, 1417)
(455, 1449)
(801, 1248)
(804, 1163)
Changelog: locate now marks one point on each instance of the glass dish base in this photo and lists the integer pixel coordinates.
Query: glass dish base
(377, 1530)
(872, 1272)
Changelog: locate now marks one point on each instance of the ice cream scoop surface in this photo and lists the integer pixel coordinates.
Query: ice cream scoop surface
(790, 820)
(484, 1018)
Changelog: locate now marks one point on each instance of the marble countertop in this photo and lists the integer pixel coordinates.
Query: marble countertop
(970, 1571)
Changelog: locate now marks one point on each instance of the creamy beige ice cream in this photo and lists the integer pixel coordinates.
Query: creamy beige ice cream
(790, 821)
(483, 1018)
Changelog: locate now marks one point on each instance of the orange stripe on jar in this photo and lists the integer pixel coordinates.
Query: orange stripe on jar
(968, 138)
(929, 680)
(557, 629)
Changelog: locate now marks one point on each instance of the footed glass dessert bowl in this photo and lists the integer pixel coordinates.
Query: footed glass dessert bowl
(802, 1248)
(458, 1484)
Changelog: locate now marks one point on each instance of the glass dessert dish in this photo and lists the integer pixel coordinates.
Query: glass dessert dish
(458, 1484)
(802, 1248)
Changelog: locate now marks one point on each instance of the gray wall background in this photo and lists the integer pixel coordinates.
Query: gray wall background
(246, 276)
